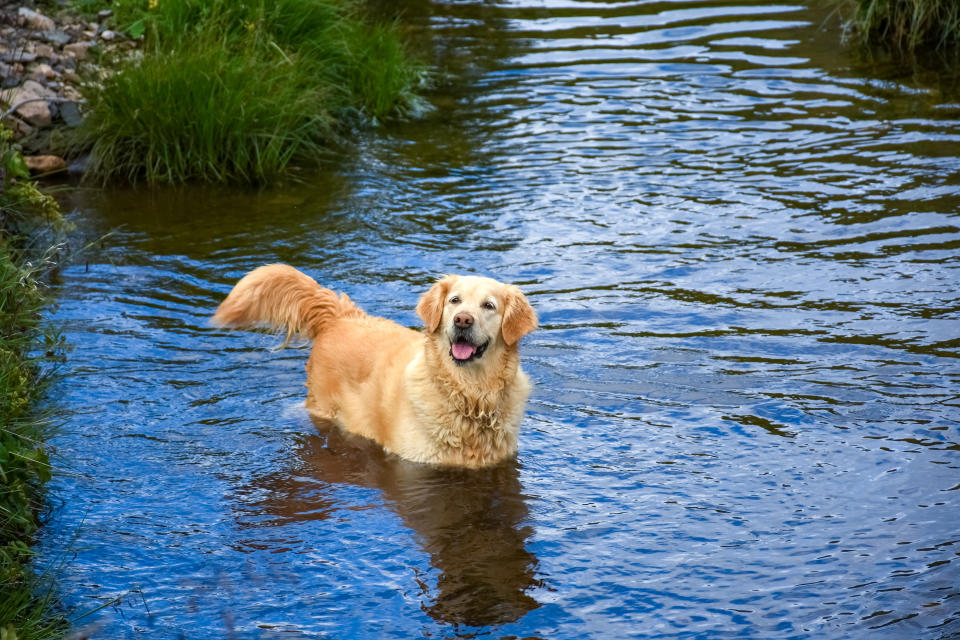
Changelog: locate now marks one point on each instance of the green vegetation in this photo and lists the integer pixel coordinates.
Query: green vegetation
(24, 611)
(908, 25)
(234, 91)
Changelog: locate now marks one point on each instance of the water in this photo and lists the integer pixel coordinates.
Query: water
(743, 248)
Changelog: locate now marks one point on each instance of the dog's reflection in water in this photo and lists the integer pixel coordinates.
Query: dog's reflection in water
(470, 522)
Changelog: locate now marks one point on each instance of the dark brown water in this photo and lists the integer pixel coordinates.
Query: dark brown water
(743, 246)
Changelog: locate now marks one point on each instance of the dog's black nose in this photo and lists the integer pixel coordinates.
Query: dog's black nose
(463, 320)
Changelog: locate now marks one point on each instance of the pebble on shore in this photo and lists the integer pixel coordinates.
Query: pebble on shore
(42, 61)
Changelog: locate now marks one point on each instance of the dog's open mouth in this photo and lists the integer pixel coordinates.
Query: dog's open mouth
(463, 351)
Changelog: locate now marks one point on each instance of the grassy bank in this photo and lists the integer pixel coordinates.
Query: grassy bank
(908, 25)
(24, 611)
(235, 91)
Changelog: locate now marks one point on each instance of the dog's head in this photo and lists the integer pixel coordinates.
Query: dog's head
(474, 315)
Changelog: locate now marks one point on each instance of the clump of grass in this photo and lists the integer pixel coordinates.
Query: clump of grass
(24, 468)
(198, 115)
(234, 91)
(908, 25)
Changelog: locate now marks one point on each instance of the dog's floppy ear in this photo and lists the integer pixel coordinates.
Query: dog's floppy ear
(430, 307)
(519, 318)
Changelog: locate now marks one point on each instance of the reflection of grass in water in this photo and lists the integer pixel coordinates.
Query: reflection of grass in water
(23, 463)
(234, 91)
(908, 25)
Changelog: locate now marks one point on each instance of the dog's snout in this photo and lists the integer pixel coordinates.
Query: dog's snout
(463, 320)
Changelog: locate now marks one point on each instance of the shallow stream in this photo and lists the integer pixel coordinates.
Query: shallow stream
(743, 247)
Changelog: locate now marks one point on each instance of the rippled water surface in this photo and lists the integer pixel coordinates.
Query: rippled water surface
(744, 251)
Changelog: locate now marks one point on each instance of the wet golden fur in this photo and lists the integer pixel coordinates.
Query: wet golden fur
(402, 388)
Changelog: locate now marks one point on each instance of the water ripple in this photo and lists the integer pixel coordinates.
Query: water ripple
(744, 253)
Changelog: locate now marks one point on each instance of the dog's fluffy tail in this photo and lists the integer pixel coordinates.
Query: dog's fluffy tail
(279, 297)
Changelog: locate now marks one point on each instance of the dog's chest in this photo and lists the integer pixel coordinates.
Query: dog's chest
(474, 440)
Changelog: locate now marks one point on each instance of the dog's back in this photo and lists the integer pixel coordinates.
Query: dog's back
(355, 371)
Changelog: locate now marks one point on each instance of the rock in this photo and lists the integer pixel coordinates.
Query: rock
(38, 89)
(71, 94)
(70, 112)
(36, 111)
(20, 128)
(37, 76)
(19, 56)
(77, 50)
(42, 73)
(79, 166)
(44, 51)
(56, 37)
(45, 164)
(108, 35)
(35, 20)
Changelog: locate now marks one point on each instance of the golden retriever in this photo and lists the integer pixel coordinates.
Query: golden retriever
(452, 395)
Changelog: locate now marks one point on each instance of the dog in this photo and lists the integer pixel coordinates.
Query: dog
(452, 395)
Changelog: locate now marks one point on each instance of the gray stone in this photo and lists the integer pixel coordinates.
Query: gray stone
(38, 76)
(58, 38)
(79, 166)
(108, 35)
(70, 112)
(19, 55)
(35, 20)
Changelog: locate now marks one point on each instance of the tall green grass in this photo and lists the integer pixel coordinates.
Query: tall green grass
(235, 91)
(25, 603)
(908, 25)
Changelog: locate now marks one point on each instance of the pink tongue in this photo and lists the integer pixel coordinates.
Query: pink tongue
(462, 350)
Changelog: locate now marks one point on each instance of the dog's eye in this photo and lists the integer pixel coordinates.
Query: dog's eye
(489, 306)
(455, 300)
